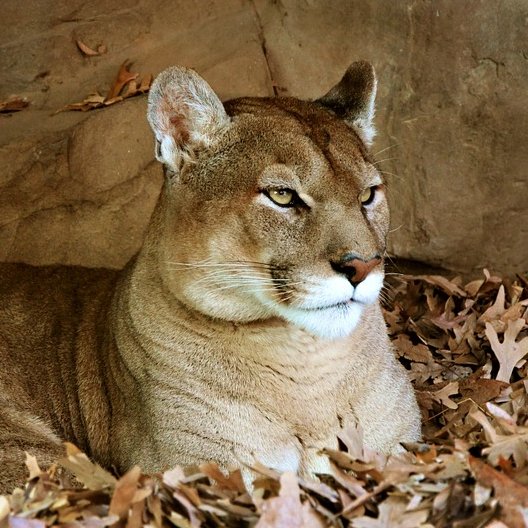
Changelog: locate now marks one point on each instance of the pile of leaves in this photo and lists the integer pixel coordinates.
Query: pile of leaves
(465, 346)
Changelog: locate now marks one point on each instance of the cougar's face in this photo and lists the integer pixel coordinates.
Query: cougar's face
(285, 216)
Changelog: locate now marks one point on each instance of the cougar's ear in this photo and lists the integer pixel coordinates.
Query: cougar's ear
(185, 115)
(353, 99)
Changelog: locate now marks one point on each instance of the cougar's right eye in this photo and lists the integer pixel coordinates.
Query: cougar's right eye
(366, 197)
(282, 197)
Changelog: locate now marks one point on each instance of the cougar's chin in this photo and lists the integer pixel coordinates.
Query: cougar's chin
(331, 322)
(330, 309)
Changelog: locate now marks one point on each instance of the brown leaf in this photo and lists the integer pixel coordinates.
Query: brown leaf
(445, 284)
(124, 76)
(443, 395)
(233, 481)
(89, 52)
(91, 475)
(125, 82)
(480, 390)
(125, 490)
(393, 514)
(511, 494)
(495, 312)
(15, 104)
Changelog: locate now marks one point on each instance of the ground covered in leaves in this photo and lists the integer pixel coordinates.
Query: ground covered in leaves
(465, 346)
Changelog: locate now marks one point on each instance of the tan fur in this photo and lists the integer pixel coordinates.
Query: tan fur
(189, 353)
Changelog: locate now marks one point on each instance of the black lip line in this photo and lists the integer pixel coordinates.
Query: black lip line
(343, 304)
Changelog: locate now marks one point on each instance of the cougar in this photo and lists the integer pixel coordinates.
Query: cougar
(247, 328)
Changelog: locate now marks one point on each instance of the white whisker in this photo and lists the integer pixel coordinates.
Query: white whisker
(386, 148)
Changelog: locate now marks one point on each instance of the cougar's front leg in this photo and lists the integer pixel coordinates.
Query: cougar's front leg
(387, 410)
(21, 432)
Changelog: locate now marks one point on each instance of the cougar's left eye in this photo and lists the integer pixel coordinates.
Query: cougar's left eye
(282, 197)
(366, 196)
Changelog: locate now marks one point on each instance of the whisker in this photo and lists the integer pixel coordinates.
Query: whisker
(208, 263)
(263, 279)
(386, 148)
(226, 265)
(390, 174)
(377, 162)
(396, 228)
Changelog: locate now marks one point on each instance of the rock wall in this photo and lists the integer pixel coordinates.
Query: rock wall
(78, 188)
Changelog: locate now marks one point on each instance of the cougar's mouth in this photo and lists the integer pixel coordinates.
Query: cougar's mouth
(339, 305)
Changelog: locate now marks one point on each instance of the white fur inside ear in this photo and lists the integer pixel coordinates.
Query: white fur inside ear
(185, 115)
(366, 131)
(169, 152)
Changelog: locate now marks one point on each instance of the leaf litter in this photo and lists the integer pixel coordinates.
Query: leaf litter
(465, 347)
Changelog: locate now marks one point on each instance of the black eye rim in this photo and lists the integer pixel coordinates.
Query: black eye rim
(296, 200)
(373, 190)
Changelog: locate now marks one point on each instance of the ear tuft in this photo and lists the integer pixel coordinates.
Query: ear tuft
(353, 99)
(185, 115)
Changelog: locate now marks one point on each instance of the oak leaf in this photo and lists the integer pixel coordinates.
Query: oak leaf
(509, 352)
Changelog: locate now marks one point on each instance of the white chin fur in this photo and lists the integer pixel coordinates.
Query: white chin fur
(328, 323)
(336, 319)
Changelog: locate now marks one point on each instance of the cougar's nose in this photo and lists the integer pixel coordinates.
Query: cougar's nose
(355, 268)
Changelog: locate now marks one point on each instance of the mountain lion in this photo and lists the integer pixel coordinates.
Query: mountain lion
(248, 325)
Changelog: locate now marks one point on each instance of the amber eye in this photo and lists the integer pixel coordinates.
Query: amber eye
(367, 195)
(282, 197)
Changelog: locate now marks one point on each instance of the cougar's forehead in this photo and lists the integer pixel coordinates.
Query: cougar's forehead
(268, 135)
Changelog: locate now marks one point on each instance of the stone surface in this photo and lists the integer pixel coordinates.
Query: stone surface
(452, 117)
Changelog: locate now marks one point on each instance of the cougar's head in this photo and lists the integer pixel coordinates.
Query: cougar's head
(272, 207)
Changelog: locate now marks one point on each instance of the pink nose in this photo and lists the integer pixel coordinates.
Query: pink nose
(355, 268)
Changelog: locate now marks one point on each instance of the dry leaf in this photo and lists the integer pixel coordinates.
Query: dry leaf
(124, 86)
(509, 352)
(286, 510)
(89, 52)
(443, 395)
(496, 309)
(91, 475)
(393, 514)
(125, 490)
(233, 481)
(124, 76)
(15, 104)
(33, 467)
(4, 508)
(511, 494)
